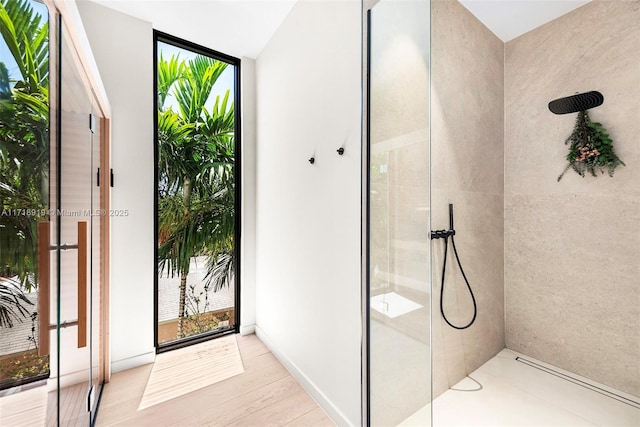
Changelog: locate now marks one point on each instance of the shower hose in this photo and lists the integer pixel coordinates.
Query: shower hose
(446, 235)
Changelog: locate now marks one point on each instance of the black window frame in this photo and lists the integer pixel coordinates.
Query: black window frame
(161, 37)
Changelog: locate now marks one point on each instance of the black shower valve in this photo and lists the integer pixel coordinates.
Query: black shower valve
(442, 234)
(437, 234)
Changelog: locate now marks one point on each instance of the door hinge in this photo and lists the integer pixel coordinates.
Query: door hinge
(111, 177)
(98, 177)
(92, 123)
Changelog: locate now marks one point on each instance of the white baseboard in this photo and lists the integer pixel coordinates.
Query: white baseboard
(247, 329)
(334, 413)
(133, 362)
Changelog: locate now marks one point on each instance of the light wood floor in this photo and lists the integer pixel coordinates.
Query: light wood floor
(37, 407)
(264, 395)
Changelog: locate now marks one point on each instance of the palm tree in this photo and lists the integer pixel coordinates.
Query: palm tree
(196, 186)
(24, 151)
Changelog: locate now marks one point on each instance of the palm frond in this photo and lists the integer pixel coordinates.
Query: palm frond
(12, 303)
(26, 37)
(220, 270)
(168, 73)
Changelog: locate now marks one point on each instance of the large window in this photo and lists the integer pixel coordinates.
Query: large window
(24, 184)
(197, 210)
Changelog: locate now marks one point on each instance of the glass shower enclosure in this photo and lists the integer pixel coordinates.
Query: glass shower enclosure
(54, 223)
(397, 292)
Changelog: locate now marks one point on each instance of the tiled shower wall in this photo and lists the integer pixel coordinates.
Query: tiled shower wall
(467, 170)
(572, 248)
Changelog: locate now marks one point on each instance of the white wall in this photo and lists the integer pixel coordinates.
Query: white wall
(307, 294)
(248, 189)
(308, 216)
(122, 48)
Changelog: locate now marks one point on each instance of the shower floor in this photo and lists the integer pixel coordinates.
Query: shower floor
(516, 394)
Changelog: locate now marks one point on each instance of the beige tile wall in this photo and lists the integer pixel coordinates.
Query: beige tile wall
(572, 248)
(466, 170)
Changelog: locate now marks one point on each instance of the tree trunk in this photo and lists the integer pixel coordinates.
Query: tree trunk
(186, 197)
(183, 292)
(186, 194)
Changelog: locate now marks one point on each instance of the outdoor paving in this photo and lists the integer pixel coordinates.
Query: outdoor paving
(169, 291)
(13, 340)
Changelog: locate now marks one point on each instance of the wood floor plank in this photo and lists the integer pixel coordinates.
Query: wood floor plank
(244, 405)
(250, 346)
(73, 405)
(125, 386)
(265, 370)
(314, 418)
(264, 394)
(279, 413)
(28, 407)
(37, 407)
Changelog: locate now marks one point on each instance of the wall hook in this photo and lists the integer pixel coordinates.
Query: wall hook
(340, 151)
(312, 160)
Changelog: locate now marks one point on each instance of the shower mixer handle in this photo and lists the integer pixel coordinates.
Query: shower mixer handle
(451, 217)
(442, 234)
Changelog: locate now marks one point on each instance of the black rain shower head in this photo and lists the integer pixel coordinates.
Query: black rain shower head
(575, 103)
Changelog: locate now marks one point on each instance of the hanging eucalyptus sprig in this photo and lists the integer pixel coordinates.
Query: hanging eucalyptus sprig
(590, 149)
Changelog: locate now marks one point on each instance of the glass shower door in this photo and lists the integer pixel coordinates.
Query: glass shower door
(50, 226)
(398, 288)
(76, 280)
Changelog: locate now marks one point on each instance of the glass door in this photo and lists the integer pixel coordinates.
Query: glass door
(77, 247)
(398, 289)
(50, 226)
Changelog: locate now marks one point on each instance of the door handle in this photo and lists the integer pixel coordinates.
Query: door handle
(44, 265)
(82, 284)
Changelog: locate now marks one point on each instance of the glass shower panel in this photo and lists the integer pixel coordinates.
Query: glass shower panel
(399, 207)
(49, 228)
(95, 296)
(78, 245)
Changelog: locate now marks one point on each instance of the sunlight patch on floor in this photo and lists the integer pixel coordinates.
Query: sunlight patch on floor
(191, 368)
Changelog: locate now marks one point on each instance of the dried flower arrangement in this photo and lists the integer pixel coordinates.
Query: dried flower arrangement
(590, 149)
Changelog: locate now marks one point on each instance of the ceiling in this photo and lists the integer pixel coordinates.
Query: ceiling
(243, 27)
(234, 27)
(509, 19)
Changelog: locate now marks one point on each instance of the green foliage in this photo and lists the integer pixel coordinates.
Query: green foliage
(23, 365)
(12, 303)
(220, 269)
(590, 148)
(196, 207)
(24, 152)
